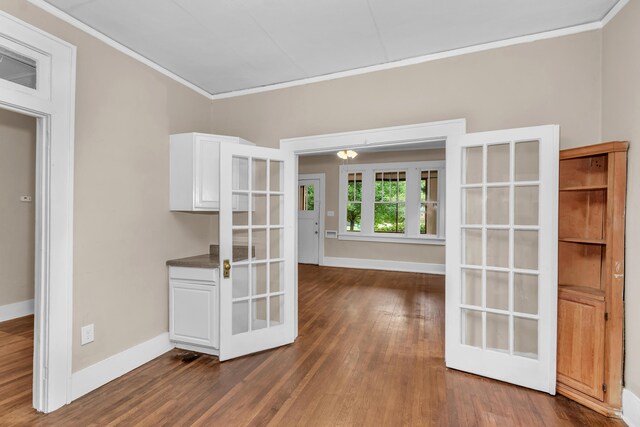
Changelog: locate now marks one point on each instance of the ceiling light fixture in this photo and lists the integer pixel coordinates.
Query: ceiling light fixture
(347, 154)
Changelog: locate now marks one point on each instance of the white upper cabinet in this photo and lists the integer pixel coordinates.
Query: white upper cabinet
(195, 170)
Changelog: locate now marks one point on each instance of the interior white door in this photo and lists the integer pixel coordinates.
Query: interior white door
(308, 220)
(501, 283)
(257, 295)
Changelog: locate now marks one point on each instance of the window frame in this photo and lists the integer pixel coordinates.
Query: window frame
(413, 202)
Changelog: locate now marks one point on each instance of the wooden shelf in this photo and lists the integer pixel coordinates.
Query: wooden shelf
(583, 241)
(585, 188)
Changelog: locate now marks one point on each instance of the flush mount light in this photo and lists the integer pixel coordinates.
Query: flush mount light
(347, 154)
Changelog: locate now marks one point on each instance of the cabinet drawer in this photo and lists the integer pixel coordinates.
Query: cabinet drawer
(189, 273)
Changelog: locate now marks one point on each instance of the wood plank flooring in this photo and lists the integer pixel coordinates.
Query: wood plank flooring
(370, 352)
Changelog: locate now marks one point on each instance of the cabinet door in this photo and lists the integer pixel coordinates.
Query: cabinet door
(581, 329)
(193, 313)
(207, 170)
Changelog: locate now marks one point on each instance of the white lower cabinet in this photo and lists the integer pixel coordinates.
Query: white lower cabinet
(194, 309)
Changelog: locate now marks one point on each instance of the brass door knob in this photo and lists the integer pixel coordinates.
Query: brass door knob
(227, 268)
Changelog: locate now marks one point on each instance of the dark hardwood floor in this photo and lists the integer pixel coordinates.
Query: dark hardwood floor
(369, 352)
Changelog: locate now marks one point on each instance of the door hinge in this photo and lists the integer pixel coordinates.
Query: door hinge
(606, 316)
(604, 388)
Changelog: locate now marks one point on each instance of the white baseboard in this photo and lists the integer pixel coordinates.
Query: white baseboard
(376, 264)
(94, 376)
(15, 310)
(630, 408)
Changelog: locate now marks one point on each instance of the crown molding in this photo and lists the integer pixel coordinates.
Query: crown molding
(613, 12)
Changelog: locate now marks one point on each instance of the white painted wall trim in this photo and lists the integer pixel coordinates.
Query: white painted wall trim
(99, 374)
(16, 310)
(630, 408)
(114, 44)
(378, 264)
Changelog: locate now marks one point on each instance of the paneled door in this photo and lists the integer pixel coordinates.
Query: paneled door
(257, 217)
(502, 229)
(308, 220)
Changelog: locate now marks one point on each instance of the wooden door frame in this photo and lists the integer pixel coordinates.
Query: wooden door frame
(320, 177)
(52, 102)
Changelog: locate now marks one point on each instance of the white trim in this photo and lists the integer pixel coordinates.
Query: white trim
(613, 12)
(16, 310)
(386, 265)
(418, 60)
(357, 237)
(630, 408)
(99, 374)
(322, 178)
(53, 103)
(116, 45)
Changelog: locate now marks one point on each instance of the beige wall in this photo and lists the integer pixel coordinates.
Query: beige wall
(123, 230)
(554, 81)
(17, 224)
(621, 121)
(330, 166)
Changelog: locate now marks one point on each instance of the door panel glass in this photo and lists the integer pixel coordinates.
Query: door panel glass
(240, 245)
(498, 205)
(472, 206)
(276, 209)
(276, 275)
(240, 176)
(276, 310)
(259, 314)
(259, 279)
(276, 247)
(259, 174)
(497, 290)
(276, 175)
(240, 214)
(240, 317)
(526, 249)
(472, 328)
(306, 197)
(526, 205)
(498, 163)
(525, 289)
(527, 161)
(498, 248)
(472, 287)
(472, 244)
(525, 334)
(497, 332)
(472, 173)
(259, 242)
(259, 209)
(240, 282)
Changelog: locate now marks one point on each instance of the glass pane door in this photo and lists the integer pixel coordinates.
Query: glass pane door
(256, 298)
(501, 288)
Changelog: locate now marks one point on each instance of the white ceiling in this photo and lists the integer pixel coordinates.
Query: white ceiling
(229, 45)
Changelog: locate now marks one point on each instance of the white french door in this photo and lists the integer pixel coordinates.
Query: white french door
(501, 297)
(308, 220)
(257, 217)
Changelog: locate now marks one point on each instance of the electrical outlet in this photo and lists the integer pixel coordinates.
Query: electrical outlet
(26, 199)
(86, 334)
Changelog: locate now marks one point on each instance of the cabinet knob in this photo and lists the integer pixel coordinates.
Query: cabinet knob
(227, 268)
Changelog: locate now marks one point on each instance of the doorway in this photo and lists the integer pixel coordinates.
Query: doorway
(310, 218)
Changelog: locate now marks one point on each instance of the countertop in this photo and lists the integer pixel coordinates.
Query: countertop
(210, 260)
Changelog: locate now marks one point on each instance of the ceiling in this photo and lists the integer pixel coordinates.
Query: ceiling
(228, 45)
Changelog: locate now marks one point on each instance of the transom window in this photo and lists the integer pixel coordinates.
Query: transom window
(392, 202)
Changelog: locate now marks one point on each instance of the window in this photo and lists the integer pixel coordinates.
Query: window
(389, 207)
(306, 198)
(400, 202)
(353, 214)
